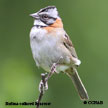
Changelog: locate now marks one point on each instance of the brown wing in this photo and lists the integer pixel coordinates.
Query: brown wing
(68, 44)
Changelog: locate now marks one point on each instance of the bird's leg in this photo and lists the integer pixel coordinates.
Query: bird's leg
(53, 69)
(43, 86)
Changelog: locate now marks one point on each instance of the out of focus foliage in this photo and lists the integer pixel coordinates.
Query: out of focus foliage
(86, 22)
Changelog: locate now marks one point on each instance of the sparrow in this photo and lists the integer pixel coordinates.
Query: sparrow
(49, 42)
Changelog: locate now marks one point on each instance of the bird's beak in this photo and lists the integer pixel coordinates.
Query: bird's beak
(34, 15)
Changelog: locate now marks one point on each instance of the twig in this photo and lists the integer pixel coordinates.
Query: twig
(43, 84)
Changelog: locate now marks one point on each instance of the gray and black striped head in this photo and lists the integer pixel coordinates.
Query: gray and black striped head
(45, 16)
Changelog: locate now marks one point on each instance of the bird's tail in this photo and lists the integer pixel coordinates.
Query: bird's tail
(73, 74)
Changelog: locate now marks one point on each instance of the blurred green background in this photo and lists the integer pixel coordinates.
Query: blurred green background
(86, 22)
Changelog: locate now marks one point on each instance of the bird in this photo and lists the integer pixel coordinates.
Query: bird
(50, 44)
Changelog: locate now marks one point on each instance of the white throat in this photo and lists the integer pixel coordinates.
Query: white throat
(38, 22)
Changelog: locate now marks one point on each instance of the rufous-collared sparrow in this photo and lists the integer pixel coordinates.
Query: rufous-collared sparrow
(49, 42)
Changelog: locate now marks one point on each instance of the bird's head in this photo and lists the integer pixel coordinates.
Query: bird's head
(47, 16)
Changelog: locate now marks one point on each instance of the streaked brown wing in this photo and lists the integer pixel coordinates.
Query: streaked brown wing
(68, 44)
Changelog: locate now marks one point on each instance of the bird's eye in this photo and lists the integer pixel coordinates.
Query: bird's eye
(45, 16)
